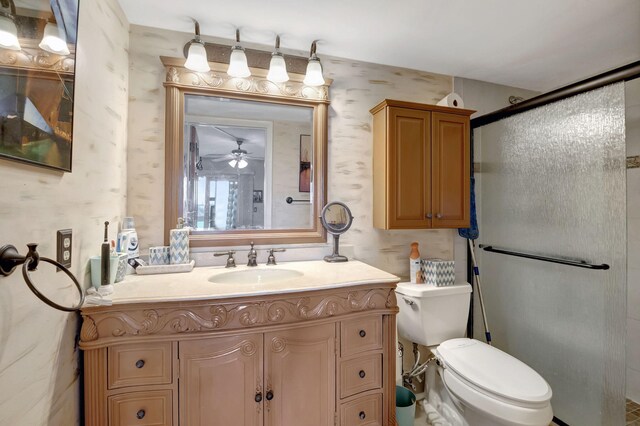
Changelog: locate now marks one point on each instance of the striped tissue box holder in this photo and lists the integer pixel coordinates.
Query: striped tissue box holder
(438, 272)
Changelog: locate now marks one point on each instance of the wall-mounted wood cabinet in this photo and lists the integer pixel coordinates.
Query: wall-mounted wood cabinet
(421, 166)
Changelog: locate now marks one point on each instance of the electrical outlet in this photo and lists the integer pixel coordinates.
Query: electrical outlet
(64, 245)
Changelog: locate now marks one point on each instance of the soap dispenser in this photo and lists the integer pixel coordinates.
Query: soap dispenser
(179, 244)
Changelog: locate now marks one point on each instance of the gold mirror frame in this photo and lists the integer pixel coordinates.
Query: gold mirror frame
(181, 82)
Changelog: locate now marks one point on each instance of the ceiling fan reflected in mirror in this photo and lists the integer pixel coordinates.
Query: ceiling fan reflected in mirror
(237, 158)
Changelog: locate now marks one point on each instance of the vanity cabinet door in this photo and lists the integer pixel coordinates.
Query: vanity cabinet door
(451, 166)
(300, 376)
(221, 381)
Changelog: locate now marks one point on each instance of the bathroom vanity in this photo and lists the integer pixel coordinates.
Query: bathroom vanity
(307, 343)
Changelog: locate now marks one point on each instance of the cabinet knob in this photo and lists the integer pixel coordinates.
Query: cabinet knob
(439, 216)
(140, 414)
(269, 395)
(140, 363)
(362, 333)
(258, 397)
(362, 374)
(429, 216)
(362, 415)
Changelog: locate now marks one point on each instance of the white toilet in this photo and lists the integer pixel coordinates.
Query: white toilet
(472, 384)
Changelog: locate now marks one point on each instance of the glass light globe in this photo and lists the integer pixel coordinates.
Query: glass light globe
(8, 34)
(197, 58)
(53, 41)
(242, 164)
(314, 73)
(238, 63)
(277, 69)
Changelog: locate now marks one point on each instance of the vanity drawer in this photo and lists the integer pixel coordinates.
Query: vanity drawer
(139, 364)
(365, 411)
(360, 374)
(360, 335)
(149, 408)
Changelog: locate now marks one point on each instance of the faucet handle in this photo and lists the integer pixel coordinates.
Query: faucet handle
(231, 262)
(271, 260)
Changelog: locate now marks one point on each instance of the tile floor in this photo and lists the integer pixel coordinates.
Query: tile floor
(633, 413)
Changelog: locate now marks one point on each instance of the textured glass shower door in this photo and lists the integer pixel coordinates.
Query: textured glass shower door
(552, 183)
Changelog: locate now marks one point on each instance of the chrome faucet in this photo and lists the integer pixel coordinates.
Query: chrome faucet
(271, 260)
(253, 256)
(231, 262)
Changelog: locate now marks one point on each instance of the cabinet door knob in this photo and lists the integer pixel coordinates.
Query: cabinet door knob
(439, 216)
(362, 374)
(140, 363)
(429, 216)
(362, 415)
(269, 395)
(362, 333)
(258, 397)
(140, 414)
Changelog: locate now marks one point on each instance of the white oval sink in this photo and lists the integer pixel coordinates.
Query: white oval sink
(255, 276)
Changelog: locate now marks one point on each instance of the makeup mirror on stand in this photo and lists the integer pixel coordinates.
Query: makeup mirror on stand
(336, 219)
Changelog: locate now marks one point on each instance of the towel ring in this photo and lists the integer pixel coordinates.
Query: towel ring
(10, 259)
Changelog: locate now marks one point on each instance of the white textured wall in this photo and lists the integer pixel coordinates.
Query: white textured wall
(39, 377)
(632, 98)
(357, 87)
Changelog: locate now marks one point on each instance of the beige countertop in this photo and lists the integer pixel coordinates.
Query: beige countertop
(196, 285)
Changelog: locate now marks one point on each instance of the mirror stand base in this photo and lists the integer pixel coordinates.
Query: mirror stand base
(335, 258)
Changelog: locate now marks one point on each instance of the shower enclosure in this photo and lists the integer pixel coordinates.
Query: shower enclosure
(551, 182)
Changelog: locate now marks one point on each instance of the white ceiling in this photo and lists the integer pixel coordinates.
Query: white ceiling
(535, 44)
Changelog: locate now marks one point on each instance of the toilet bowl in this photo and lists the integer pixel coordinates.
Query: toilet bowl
(472, 383)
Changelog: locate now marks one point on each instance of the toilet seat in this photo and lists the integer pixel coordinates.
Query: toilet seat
(494, 382)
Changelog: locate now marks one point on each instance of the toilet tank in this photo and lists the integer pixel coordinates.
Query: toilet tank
(430, 315)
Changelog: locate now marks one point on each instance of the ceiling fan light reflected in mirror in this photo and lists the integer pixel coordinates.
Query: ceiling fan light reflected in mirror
(242, 163)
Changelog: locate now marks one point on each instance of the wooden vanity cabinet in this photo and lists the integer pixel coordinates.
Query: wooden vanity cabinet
(421, 166)
(315, 358)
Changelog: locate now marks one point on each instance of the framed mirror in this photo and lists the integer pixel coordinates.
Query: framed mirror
(244, 162)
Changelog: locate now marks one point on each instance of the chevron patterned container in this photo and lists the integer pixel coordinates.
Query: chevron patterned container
(438, 272)
(179, 246)
(159, 255)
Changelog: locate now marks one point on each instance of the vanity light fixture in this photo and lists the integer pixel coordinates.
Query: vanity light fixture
(8, 29)
(314, 76)
(277, 66)
(238, 62)
(197, 56)
(53, 40)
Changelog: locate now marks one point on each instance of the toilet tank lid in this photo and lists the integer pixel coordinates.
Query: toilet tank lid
(494, 371)
(430, 290)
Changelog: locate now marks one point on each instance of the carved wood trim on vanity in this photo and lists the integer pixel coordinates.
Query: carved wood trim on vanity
(102, 325)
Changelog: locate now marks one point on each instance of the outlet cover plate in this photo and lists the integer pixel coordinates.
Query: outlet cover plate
(64, 245)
